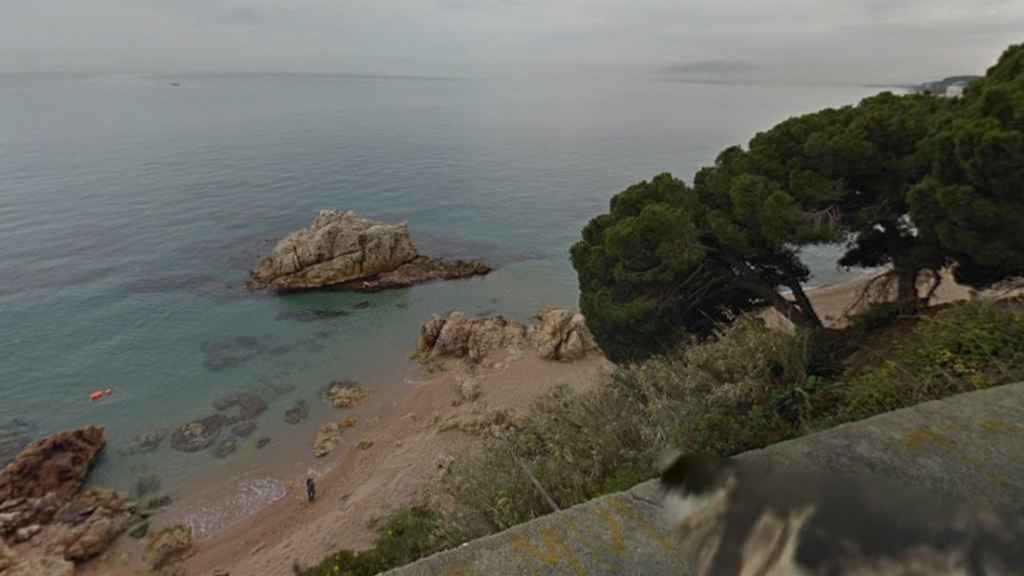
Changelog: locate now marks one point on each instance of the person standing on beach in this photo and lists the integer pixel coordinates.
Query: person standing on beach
(310, 489)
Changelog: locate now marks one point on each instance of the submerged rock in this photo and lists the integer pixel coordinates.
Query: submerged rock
(145, 442)
(198, 434)
(148, 484)
(221, 355)
(298, 412)
(244, 429)
(343, 250)
(249, 404)
(262, 442)
(314, 315)
(345, 394)
(225, 448)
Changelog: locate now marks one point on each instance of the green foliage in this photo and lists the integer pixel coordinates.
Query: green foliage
(716, 395)
(958, 349)
(860, 161)
(669, 261)
(877, 316)
(972, 201)
(403, 537)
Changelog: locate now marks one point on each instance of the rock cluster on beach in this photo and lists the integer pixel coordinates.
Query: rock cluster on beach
(344, 394)
(559, 334)
(47, 522)
(342, 250)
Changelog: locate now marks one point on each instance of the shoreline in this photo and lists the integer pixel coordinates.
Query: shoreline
(413, 434)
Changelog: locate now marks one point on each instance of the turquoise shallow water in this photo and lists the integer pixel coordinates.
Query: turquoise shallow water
(130, 211)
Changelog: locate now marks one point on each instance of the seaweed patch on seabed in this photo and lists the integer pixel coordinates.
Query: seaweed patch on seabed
(144, 442)
(230, 353)
(314, 315)
(197, 284)
(249, 406)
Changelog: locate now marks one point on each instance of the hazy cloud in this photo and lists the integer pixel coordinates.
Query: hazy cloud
(837, 40)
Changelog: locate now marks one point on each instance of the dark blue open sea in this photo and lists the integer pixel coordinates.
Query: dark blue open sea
(131, 210)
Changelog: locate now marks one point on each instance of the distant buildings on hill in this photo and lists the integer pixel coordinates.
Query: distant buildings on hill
(952, 87)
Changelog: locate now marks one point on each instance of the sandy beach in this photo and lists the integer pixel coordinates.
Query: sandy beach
(387, 460)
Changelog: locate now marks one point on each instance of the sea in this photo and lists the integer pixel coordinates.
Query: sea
(133, 206)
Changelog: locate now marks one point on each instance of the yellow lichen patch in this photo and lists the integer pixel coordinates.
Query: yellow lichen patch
(1000, 426)
(919, 439)
(553, 551)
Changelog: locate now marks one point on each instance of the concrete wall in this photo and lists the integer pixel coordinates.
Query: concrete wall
(969, 448)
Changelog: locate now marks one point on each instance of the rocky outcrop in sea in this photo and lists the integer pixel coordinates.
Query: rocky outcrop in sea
(47, 522)
(343, 251)
(559, 334)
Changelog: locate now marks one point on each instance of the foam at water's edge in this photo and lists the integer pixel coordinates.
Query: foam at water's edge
(251, 495)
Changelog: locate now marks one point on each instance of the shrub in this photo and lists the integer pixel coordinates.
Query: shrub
(957, 349)
(717, 395)
(404, 536)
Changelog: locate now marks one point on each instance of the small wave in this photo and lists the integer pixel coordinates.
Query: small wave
(250, 496)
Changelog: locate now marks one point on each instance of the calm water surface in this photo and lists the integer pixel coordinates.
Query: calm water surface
(131, 210)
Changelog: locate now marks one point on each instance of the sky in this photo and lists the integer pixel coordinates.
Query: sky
(804, 40)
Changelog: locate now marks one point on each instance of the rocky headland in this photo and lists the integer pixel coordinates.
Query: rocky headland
(48, 522)
(342, 251)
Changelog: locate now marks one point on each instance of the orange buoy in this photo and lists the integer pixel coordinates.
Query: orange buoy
(100, 394)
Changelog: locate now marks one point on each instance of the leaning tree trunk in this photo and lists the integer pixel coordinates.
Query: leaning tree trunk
(907, 297)
(799, 311)
(807, 309)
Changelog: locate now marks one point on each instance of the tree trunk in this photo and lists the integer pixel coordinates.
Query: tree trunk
(805, 306)
(800, 312)
(907, 297)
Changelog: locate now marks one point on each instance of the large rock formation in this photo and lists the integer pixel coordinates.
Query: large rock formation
(44, 514)
(57, 463)
(456, 336)
(92, 521)
(560, 335)
(342, 250)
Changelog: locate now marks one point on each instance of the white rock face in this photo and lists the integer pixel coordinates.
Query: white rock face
(338, 247)
(560, 335)
(456, 336)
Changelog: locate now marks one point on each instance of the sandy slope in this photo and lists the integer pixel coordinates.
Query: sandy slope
(410, 448)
